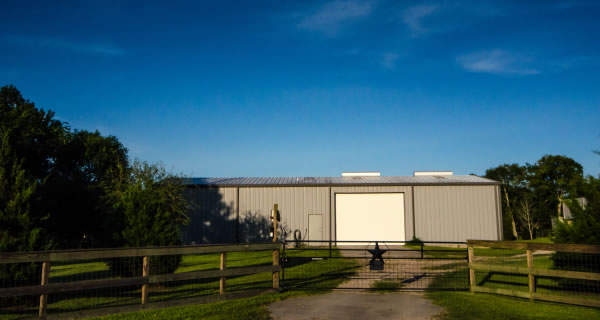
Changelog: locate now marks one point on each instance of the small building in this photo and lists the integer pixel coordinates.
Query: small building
(433, 206)
(566, 211)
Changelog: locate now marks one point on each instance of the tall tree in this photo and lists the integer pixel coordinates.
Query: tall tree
(512, 177)
(87, 168)
(556, 178)
(20, 226)
(73, 171)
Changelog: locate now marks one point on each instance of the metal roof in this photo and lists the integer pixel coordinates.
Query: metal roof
(327, 181)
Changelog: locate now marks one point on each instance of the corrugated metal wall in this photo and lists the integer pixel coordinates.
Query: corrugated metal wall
(295, 204)
(456, 213)
(213, 214)
(442, 213)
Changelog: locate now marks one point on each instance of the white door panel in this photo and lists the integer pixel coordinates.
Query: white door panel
(369, 217)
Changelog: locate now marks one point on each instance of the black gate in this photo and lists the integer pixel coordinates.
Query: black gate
(386, 266)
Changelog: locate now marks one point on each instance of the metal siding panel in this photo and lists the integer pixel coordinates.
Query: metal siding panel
(455, 213)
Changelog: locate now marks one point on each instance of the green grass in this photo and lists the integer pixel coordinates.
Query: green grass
(539, 240)
(384, 286)
(248, 308)
(459, 253)
(466, 305)
(440, 252)
(318, 274)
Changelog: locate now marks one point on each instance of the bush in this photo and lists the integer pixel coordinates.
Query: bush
(132, 266)
(582, 262)
(415, 241)
(153, 208)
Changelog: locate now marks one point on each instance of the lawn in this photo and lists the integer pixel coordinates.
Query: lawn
(466, 305)
(316, 273)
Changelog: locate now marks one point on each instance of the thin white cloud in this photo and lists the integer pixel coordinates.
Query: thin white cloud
(389, 60)
(330, 18)
(413, 17)
(496, 62)
(61, 43)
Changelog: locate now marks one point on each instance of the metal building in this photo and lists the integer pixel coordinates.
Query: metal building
(434, 206)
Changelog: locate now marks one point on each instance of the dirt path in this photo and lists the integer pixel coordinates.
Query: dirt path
(408, 273)
(356, 305)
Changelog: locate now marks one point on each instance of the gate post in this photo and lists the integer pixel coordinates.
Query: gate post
(223, 266)
(275, 264)
(44, 297)
(145, 273)
(530, 275)
(471, 271)
(275, 251)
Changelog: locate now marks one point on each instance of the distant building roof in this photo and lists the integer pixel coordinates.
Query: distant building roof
(326, 181)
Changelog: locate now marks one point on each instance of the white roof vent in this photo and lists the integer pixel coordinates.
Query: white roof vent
(432, 173)
(362, 174)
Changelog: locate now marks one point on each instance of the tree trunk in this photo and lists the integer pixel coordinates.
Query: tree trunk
(558, 209)
(512, 216)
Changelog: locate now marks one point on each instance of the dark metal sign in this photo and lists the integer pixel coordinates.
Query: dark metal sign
(376, 262)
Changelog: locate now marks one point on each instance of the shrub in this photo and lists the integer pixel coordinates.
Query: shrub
(415, 241)
(153, 208)
(132, 266)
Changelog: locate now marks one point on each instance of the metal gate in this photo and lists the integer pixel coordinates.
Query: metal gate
(378, 266)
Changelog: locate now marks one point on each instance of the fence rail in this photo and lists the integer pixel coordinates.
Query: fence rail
(533, 272)
(47, 257)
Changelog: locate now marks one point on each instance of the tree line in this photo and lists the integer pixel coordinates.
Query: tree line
(63, 188)
(534, 195)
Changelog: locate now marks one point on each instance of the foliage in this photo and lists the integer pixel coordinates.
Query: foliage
(585, 227)
(554, 179)
(415, 241)
(71, 171)
(532, 194)
(153, 207)
(512, 177)
(20, 226)
(88, 167)
(63, 188)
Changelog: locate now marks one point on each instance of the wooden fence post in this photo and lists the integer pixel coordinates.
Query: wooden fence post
(275, 222)
(44, 297)
(275, 251)
(145, 273)
(276, 273)
(471, 271)
(223, 265)
(531, 276)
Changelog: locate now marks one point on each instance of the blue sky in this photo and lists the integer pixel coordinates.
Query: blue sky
(315, 88)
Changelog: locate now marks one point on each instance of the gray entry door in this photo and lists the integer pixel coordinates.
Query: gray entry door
(315, 227)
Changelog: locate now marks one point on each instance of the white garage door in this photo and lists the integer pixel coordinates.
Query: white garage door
(369, 216)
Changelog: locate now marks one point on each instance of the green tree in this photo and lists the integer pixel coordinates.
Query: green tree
(554, 179)
(20, 226)
(78, 169)
(87, 169)
(512, 177)
(35, 135)
(153, 208)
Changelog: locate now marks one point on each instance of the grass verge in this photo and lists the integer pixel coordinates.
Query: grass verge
(385, 286)
(307, 272)
(465, 305)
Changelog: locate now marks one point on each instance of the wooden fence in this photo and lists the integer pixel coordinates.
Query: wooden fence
(531, 271)
(47, 257)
